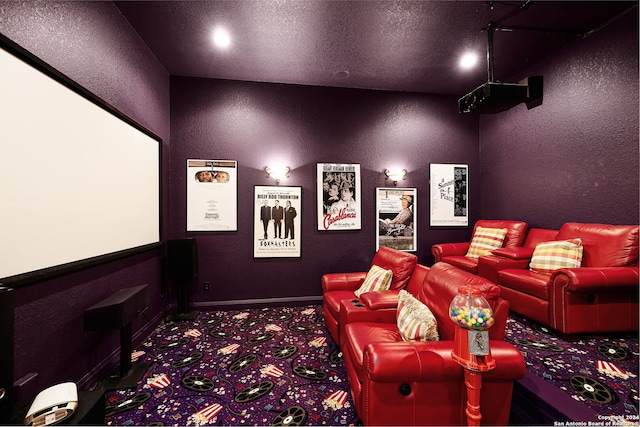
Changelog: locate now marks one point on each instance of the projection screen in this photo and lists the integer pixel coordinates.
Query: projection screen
(79, 181)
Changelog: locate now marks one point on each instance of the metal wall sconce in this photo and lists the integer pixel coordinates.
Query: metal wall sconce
(278, 173)
(395, 175)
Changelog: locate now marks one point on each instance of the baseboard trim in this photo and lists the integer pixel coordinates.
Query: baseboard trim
(256, 302)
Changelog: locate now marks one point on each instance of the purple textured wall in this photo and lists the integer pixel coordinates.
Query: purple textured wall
(258, 124)
(575, 157)
(94, 45)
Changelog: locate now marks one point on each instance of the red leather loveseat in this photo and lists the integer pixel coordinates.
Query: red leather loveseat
(599, 296)
(394, 382)
(456, 253)
(338, 287)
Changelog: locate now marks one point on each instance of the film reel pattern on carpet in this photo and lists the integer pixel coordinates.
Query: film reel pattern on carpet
(273, 366)
(596, 370)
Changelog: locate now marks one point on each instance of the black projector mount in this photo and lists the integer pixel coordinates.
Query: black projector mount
(495, 97)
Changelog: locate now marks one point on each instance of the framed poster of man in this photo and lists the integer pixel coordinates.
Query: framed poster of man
(397, 219)
(449, 187)
(276, 225)
(338, 196)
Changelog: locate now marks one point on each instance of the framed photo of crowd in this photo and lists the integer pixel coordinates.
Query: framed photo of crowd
(276, 225)
(449, 188)
(212, 195)
(397, 218)
(338, 197)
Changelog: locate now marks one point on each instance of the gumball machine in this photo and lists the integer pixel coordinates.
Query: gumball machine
(471, 312)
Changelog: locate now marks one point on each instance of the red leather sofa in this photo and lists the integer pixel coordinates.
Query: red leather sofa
(338, 287)
(394, 382)
(599, 296)
(454, 253)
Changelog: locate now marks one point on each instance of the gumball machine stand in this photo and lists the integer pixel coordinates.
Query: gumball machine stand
(473, 316)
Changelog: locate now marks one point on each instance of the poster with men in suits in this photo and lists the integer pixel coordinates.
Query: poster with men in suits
(277, 221)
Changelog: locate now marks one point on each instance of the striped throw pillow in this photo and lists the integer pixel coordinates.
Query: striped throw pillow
(550, 256)
(486, 240)
(377, 279)
(415, 320)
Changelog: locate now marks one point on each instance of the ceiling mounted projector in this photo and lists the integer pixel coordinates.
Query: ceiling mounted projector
(494, 97)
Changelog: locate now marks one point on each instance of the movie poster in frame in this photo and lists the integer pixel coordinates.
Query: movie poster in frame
(397, 218)
(212, 195)
(449, 187)
(277, 218)
(338, 197)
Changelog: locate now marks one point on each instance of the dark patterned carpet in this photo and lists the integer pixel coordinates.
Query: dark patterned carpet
(279, 366)
(599, 373)
(252, 367)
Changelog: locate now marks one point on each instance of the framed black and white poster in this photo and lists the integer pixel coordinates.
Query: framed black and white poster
(212, 195)
(338, 196)
(397, 218)
(276, 225)
(449, 187)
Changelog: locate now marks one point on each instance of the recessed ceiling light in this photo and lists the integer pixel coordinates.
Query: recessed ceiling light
(468, 60)
(221, 38)
(341, 74)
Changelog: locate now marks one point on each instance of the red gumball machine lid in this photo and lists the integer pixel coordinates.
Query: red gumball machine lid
(470, 290)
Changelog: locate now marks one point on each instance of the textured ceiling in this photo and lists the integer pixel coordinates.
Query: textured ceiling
(386, 45)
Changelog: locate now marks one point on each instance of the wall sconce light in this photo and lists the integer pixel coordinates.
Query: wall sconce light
(278, 173)
(395, 175)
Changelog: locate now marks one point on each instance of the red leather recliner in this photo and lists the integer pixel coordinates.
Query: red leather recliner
(514, 257)
(454, 253)
(337, 287)
(419, 383)
(379, 306)
(599, 296)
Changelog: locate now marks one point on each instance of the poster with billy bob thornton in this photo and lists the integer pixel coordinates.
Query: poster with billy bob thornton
(277, 218)
(339, 202)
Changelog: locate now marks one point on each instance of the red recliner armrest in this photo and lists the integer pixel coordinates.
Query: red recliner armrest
(442, 250)
(432, 361)
(342, 281)
(408, 362)
(490, 265)
(351, 312)
(514, 253)
(593, 279)
(381, 299)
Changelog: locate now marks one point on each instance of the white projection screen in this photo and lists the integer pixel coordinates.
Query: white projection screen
(79, 181)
